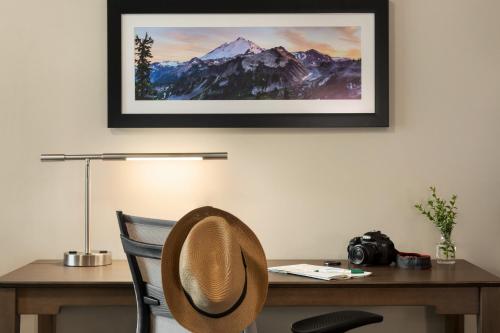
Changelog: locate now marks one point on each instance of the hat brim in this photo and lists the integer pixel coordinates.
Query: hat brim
(257, 276)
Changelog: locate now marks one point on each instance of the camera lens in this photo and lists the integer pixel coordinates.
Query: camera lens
(357, 255)
(362, 254)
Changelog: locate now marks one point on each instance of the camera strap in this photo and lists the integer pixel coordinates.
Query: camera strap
(413, 260)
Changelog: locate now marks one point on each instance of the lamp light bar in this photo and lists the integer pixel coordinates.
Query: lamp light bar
(134, 156)
(164, 158)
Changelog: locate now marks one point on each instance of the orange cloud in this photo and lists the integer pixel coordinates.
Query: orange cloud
(182, 36)
(353, 54)
(349, 34)
(302, 44)
(177, 51)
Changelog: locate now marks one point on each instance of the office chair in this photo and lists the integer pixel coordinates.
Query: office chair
(143, 238)
(336, 322)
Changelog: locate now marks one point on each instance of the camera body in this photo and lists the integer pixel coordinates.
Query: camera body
(373, 248)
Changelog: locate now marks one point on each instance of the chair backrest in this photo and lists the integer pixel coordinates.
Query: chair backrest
(142, 240)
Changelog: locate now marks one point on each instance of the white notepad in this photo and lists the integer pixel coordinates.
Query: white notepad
(317, 272)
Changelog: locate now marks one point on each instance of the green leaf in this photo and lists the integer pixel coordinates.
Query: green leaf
(440, 212)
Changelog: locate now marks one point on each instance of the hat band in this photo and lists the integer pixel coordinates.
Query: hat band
(232, 308)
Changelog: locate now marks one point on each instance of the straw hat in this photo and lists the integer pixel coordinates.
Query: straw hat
(214, 272)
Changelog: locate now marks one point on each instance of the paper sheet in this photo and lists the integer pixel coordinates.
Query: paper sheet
(317, 272)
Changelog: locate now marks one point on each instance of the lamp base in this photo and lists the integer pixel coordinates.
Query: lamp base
(82, 259)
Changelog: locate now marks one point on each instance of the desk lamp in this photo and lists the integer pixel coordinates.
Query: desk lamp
(89, 258)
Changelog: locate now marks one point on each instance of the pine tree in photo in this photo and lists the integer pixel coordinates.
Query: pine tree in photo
(143, 58)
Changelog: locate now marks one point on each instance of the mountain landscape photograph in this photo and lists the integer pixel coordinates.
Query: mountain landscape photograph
(254, 63)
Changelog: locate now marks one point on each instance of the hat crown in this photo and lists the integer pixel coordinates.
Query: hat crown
(211, 267)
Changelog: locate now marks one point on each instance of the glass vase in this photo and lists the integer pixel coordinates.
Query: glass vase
(446, 251)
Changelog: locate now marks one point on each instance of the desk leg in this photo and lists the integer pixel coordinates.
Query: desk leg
(489, 311)
(454, 324)
(46, 324)
(9, 319)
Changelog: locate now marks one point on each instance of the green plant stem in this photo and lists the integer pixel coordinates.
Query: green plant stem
(441, 213)
(447, 247)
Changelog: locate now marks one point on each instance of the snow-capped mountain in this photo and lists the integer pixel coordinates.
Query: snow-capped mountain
(168, 63)
(242, 70)
(312, 57)
(232, 49)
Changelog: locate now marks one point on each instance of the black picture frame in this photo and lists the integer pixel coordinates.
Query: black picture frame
(117, 119)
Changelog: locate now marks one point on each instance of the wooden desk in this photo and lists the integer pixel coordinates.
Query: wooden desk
(44, 286)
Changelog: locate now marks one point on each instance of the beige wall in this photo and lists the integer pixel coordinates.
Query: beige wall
(304, 192)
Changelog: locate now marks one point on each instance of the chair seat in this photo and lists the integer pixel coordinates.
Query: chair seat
(336, 322)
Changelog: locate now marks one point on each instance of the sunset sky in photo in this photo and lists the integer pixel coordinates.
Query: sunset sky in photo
(182, 44)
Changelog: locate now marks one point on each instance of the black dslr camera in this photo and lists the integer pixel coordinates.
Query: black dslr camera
(373, 248)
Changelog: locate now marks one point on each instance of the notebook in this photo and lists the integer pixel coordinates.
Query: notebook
(317, 272)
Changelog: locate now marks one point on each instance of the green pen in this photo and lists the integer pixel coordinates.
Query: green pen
(357, 271)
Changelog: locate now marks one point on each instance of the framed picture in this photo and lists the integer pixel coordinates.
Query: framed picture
(248, 64)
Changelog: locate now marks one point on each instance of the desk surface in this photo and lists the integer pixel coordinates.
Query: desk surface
(53, 273)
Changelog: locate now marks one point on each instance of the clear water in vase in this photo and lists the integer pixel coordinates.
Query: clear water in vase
(446, 251)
